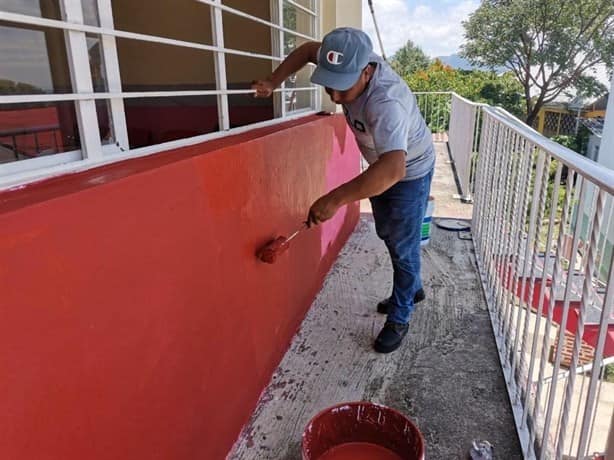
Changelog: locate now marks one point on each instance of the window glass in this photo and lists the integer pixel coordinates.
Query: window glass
(161, 119)
(97, 67)
(186, 20)
(90, 12)
(245, 108)
(33, 60)
(49, 9)
(254, 36)
(298, 20)
(103, 112)
(296, 100)
(306, 3)
(260, 9)
(36, 129)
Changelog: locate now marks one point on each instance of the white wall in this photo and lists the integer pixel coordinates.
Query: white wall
(606, 149)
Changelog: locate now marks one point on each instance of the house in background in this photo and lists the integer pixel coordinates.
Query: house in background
(595, 127)
(561, 117)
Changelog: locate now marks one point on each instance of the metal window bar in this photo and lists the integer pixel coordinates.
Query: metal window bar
(84, 98)
(113, 78)
(302, 8)
(20, 99)
(220, 68)
(214, 4)
(78, 60)
(56, 24)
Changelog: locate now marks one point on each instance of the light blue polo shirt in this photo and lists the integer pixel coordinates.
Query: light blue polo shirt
(386, 117)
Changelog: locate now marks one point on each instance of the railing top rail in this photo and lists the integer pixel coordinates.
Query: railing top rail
(594, 172)
(467, 101)
(432, 92)
(451, 93)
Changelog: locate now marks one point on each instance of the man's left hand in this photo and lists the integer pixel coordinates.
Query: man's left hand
(323, 209)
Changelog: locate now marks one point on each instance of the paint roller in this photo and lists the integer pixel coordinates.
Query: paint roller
(274, 248)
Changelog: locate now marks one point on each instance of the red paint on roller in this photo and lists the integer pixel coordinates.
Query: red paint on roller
(359, 451)
(361, 430)
(273, 249)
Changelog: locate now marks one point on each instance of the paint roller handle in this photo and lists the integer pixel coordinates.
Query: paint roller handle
(299, 230)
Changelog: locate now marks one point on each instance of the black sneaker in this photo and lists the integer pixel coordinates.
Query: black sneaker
(384, 305)
(390, 337)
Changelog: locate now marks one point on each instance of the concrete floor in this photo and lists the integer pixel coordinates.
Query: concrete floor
(446, 376)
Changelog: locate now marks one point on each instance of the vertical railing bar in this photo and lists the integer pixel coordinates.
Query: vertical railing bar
(429, 107)
(505, 231)
(569, 189)
(587, 294)
(478, 210)
(497, 136)
(597, 398)
(473, 160)
(535, 227)
(522, 259)
(542, 293)
(438, 121)
(521, 212)
(492, 215)
(568, 287)
(609, 204)
(575, 423)
(519, 147)
(527, 255)
(606, 313)
(502, 223)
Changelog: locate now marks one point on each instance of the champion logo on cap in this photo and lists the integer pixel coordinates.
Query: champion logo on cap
(334, 57)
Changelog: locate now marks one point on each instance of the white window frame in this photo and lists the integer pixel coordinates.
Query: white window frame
(93, 153)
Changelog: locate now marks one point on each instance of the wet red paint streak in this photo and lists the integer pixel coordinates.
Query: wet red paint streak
(359, 451)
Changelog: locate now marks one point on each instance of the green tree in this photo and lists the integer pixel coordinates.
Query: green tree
(475, 85)
(549, 45)
(409, 59)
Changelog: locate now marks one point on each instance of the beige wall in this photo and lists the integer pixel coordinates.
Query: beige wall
(338, 13)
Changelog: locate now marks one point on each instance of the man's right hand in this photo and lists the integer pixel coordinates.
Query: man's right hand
(264, 88)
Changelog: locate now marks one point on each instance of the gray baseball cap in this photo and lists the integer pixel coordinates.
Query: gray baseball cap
(344, 53)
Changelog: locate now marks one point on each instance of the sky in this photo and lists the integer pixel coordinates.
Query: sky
(433, 25)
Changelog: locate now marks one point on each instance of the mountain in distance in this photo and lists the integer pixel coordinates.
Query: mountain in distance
(457, 62)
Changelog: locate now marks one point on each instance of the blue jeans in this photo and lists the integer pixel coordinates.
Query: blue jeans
(398, 215)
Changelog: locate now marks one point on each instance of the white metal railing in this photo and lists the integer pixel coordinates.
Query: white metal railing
(544, 250)
(463, 141)
(447, 112)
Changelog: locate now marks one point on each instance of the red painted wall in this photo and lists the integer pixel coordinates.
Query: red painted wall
(135, 320)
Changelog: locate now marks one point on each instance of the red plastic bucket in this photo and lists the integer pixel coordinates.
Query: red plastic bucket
(361, 430)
